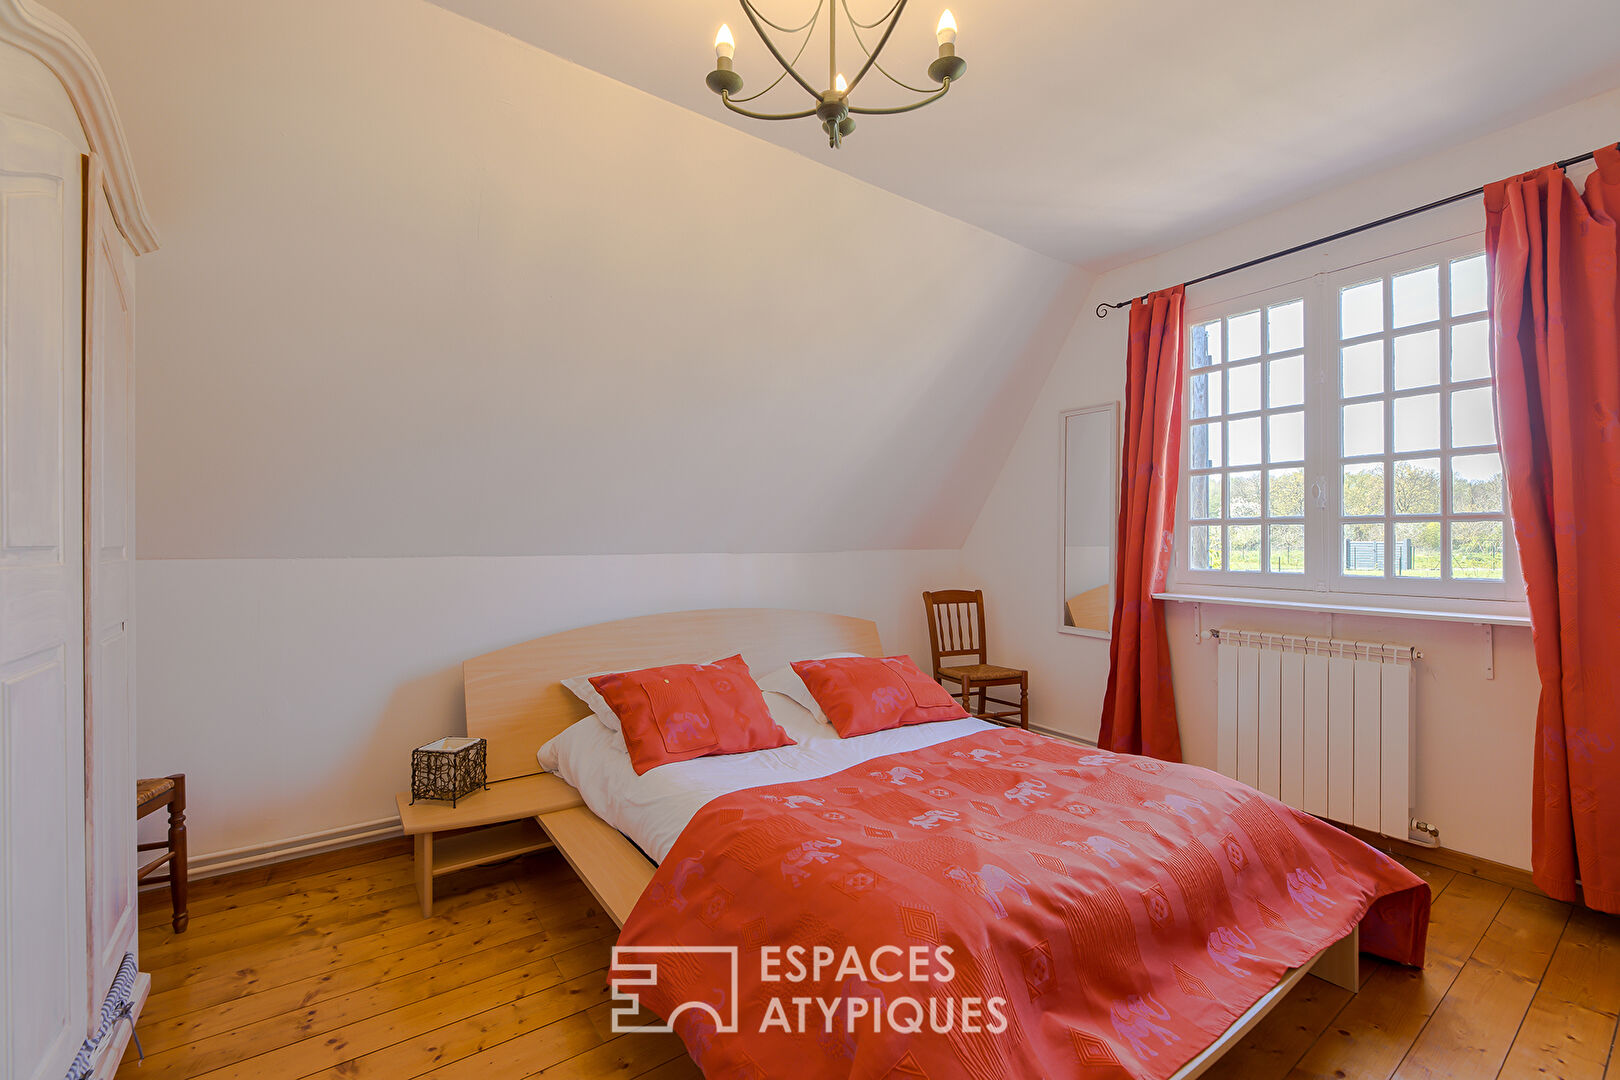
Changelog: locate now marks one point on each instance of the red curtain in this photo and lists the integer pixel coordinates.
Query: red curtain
(1557, 295)
(1139, 710)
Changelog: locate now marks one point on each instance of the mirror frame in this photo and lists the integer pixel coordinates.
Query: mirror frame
(1112, 408)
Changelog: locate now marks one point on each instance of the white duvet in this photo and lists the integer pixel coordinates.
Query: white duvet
(653, 809)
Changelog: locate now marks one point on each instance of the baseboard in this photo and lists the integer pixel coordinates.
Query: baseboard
(293, 847)
(1485, 869)
(1064, 735)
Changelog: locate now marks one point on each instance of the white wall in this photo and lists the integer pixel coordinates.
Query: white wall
(1474, 749)
(425, 289)
(450, 342)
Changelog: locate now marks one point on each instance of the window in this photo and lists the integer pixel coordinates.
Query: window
(1341, 438)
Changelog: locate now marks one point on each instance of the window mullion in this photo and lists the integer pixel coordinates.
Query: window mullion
(1320, 397)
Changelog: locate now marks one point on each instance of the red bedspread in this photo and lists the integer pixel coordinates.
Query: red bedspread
(1002, 905)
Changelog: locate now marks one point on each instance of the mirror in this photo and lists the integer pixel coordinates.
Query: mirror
(1090, 468)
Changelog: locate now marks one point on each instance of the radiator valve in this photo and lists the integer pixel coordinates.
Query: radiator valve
(1424, 833)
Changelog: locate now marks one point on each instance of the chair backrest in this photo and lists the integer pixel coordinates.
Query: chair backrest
(955, 624)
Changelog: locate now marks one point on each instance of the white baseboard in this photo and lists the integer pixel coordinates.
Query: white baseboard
(254, 855)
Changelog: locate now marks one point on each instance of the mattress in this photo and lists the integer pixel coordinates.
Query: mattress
(653, 809)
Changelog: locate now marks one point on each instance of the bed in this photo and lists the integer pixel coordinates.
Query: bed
(515, 700)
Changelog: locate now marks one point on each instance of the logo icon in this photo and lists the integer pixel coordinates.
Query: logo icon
(629, 975)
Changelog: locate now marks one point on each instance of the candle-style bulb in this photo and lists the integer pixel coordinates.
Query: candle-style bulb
(946, 33)
(725, 47)
(840, 85)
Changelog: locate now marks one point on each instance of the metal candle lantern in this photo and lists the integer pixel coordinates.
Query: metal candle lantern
(449, 769)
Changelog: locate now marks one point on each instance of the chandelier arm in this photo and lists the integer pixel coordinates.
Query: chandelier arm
(805, 44)
(871, 25)
(929, 100)
(899, 10)
(753, 17)
(796, 29)
(726, 98)
(881, 69)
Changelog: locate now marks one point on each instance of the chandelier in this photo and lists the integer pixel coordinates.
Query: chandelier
(832, 105)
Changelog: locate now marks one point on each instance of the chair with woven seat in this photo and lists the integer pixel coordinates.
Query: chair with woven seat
(956, 629)
(153, 795)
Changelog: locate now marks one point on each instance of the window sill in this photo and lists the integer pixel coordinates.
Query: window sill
(1493, 615)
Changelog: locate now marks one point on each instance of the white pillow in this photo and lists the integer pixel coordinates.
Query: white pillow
(580, 686)
(566, 754)
(786, 682)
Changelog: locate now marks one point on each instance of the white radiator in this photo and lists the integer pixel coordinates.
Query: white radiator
(1324, 725)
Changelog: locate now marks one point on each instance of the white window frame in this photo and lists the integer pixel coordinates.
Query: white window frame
(1325, 586)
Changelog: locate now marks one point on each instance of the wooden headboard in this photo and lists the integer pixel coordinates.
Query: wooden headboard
(516, 700)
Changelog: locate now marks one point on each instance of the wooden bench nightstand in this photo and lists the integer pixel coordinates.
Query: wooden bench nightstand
(485, 827)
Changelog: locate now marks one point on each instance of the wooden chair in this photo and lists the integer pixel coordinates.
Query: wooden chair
(956, 629)
(151, 795)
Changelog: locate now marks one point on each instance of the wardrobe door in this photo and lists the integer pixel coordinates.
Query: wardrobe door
(43, 994)
(109, 713)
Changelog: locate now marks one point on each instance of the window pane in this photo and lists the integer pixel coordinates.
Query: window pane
(1287, 548)
(1417, 360)
(1476, 484)
(1471, 351)
(1473, 418)
(1361, 310)
(1468, 285)
(1206, 395)
(1205, 452)
(1417, 424)
(1204, 547)
(1243, 336)
(1361, 369)
(1417, 486)
(1476, 550)
(1364, 429)
(1285, 493)
(1287, 437)
(1206, 344)
(1243, 388)
(1244, 547)
(1415, 297)
(1363, 492)
(1244, 494)
(1205, 499)
(1287, 378)
(1285, 327)
(1417, 549)
(1245, 441)
(1362, 550)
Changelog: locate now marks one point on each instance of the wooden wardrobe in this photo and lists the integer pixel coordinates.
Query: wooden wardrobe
(71, 224)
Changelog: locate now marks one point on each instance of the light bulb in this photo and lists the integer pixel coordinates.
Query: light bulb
(840, 85)
(947, 28)
(725, 47)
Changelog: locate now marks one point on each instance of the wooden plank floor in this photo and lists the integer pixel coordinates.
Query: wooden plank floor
(324, 967)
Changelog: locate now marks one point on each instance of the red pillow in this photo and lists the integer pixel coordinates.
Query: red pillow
(863, 694)
(687, 711)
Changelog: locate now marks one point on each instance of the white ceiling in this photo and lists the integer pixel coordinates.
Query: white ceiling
(1100, 131)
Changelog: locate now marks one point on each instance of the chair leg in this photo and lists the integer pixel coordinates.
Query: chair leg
(1023, 703)
(967, 696)
(177, 844)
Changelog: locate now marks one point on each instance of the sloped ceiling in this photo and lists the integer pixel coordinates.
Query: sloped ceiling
(1100, 130)
(428, 290)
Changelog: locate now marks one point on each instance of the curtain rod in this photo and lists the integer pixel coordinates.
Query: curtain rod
(1104, 308)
